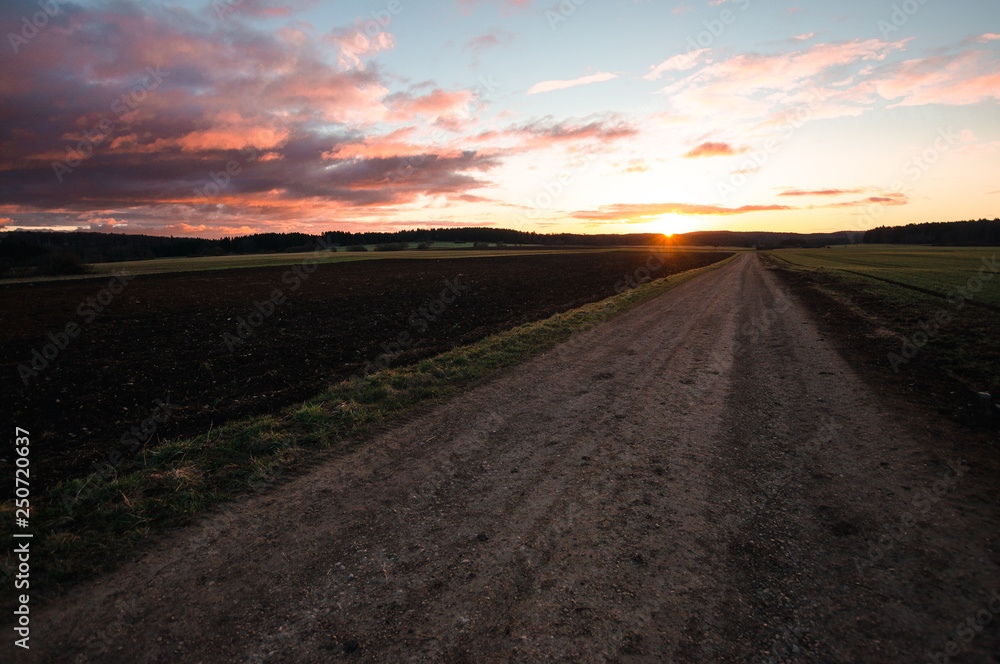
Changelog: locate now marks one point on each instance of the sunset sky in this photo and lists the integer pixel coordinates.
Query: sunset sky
(608, 116)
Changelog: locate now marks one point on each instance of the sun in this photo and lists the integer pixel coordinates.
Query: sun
(672, 224)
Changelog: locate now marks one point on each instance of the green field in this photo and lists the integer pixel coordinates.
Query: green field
(940, 271)
(929, 312)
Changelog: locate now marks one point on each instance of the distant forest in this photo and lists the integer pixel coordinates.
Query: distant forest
(982, 232)
(49, 252)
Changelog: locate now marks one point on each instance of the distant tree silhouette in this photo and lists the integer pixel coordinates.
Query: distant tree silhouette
(981, 232)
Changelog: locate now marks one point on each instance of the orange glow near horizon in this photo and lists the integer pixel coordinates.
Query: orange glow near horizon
(674, 224)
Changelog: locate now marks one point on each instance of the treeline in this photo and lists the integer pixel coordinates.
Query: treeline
(49, 252)
(760, 239)
(981, 232)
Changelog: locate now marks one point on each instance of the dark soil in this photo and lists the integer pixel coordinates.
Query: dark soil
(163, 339)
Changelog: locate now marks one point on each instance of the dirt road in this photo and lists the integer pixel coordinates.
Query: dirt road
(702, 479)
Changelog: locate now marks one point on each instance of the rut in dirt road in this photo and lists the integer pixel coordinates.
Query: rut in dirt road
(701, 479)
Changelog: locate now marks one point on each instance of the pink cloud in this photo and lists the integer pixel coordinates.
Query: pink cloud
(394, 144)
(778, 86)
(820, 192)
(783, 71)
(961, 79)
(886, 198)
(713, 149)
(436, 103)
(350, 97)
(590, 134)
(353, 45)
(227, 131)
(747, 77)
(640, 211)
(449, 110)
